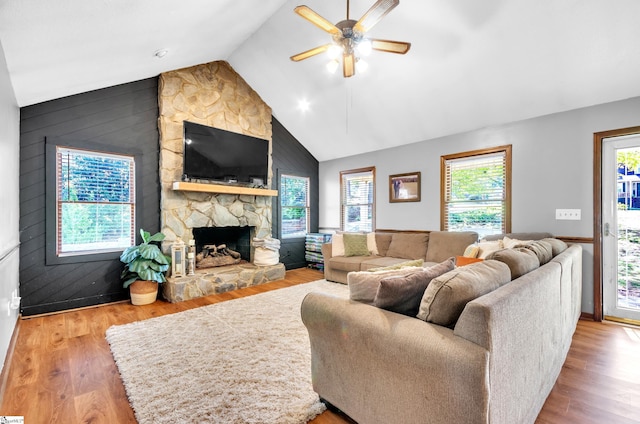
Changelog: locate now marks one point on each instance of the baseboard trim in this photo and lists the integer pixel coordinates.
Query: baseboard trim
(586, 316)
(8, 360)
(64, 311)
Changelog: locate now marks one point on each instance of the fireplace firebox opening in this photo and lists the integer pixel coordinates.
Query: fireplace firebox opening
(237, 239)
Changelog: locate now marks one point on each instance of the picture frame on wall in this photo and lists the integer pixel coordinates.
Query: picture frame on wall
(404, 187)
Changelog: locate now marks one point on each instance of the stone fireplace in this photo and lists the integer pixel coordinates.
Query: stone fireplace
(211, 94)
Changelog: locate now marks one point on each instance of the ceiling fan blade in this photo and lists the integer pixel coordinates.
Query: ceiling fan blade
(312, 52)
(348, 65)
(374, 15)
(317, 20)
(389, 46)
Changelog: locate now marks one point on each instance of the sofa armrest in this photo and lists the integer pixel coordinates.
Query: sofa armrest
(520, 324)
(380, 367)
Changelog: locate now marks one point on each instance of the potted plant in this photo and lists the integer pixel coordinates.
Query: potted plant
(144, 268)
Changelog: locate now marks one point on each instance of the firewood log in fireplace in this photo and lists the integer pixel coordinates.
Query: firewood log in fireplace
(212, 256)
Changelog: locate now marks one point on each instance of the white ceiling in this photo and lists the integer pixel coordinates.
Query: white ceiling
(472, 63)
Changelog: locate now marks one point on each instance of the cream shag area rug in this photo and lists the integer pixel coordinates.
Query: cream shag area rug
(243, 361)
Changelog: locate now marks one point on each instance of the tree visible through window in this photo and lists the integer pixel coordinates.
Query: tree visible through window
(294, 206)
(357, 204)
(476, 191)
(95, 202)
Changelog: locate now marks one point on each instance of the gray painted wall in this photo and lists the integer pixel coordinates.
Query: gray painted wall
(552, 168)
(9, 199)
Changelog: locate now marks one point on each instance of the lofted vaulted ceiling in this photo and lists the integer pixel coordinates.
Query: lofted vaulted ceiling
(472, 63)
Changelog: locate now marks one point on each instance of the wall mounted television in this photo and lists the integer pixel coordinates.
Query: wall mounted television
(221, 156)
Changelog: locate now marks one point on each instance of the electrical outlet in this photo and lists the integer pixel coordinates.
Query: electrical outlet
(568, 214)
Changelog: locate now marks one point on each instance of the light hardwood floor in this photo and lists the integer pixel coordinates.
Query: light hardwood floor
(62, 370)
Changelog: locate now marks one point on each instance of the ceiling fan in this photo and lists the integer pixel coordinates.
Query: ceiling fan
(349, 37)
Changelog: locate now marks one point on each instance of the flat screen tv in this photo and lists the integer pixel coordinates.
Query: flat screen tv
(218, 155)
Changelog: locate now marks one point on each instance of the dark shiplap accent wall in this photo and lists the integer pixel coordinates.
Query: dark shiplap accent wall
(289, 156)
(121, 116)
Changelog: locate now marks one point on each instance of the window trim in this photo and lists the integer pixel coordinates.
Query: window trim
(51, 143)
(280, 205)
(371, 169)
(506, 149)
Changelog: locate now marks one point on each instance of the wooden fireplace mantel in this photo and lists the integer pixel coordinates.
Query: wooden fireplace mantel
(222, 189)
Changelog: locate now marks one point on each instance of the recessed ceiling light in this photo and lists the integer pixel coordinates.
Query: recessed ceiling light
(161, 53)
(303, 105)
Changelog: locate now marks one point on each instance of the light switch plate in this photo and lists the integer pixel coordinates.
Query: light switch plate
(568, 214)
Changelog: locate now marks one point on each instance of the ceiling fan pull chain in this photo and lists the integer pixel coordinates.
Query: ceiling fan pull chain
(347, 10)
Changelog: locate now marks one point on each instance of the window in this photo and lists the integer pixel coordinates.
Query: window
(476, 191)
(95, 202)
(357, 204)
(294, 206)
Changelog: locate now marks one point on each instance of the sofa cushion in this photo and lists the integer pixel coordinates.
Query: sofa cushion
(519, 260)
(389, 263)
(355, 244)
(348, 263)
(445, 244)
(542, 249)
(557, 246)
(408, 246)
(446, 296)
(519, 236)
(383, 240)
(363, 285)
(402, 294)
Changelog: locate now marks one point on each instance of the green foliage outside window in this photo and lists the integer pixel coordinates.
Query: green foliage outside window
(294, 206)
(95, 201)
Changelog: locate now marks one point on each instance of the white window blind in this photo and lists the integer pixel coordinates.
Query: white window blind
(475, 193)
(95, 202)
(294, 206)
(357, 204)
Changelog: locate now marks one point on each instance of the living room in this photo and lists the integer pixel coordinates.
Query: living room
(552, 141)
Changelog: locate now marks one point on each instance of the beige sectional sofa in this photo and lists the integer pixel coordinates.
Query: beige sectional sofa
(494, 363)
(397, 247)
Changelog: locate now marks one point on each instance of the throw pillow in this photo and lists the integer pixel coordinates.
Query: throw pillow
(509, 243)
(371, 243)
(363, 285)
(463, 260)
(447, 295)
(408, 246)
(402, 294)
(557, 246)
(417, 262)
(519, 260)
(487, 247)
(337, 245)
(471, 251)
(542, 249)
(355, 245)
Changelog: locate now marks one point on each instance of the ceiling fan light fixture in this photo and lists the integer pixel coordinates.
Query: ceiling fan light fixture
(333, 66)
(335, 51)
(361, 66)
(349, 39)
(364, 47)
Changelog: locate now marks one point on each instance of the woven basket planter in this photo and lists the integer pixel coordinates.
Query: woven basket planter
(143, 292)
